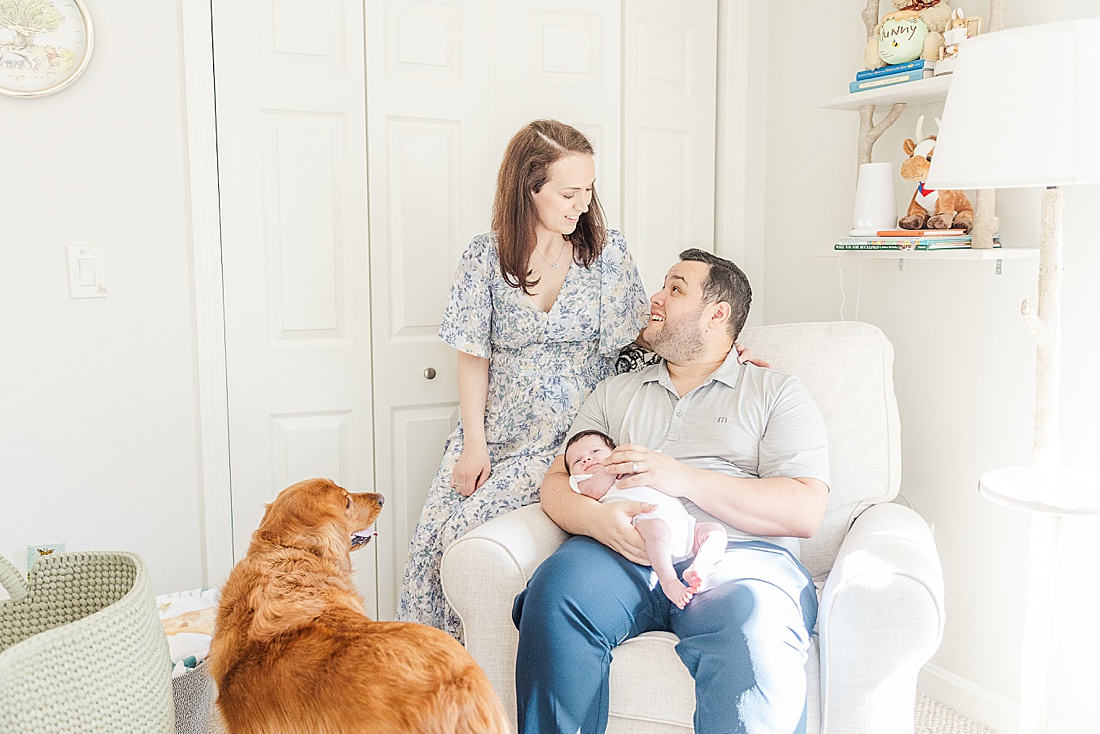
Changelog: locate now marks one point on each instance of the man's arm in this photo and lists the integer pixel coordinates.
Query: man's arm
(775, 506)
(778, 506)
(581, 515)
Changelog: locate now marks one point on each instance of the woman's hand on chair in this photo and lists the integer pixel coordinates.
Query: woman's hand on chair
(471, 470)
(744, 354)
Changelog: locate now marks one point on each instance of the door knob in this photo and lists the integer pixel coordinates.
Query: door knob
(430, 373)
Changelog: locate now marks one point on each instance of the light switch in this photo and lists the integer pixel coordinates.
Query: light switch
(87, 272)
(87, 277)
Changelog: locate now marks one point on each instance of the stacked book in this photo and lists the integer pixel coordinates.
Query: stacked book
(911, 239)
(885, 76)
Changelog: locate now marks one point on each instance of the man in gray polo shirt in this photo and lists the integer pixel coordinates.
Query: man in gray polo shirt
(738, 444)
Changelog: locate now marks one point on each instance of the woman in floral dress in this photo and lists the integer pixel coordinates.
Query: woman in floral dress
(538, 312)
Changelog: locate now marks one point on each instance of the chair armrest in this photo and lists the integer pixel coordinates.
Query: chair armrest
(482, 572)
(881, 619)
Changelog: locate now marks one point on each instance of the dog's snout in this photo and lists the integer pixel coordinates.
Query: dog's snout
(381, 500)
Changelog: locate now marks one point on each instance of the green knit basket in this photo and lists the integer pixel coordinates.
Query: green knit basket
(82, 648)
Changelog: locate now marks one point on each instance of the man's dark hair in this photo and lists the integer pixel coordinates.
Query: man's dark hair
(581, 434)
(725, 282)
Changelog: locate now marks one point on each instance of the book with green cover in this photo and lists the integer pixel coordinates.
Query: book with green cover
(907, 243)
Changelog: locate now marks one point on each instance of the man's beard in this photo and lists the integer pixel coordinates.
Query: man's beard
(681, 340)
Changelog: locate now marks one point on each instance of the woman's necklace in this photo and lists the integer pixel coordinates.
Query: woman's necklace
(557, 257)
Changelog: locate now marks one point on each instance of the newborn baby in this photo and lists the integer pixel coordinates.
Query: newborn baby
(669, 533)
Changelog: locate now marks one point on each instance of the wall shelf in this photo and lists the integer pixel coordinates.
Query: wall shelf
(997, 254)
(920, 91)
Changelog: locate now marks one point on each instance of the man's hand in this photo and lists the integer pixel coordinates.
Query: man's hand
(645, 466)
(612, 524)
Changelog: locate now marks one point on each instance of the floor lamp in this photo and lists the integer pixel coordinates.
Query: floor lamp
(1024, 111)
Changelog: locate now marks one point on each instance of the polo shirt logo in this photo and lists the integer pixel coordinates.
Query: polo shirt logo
(721, 419)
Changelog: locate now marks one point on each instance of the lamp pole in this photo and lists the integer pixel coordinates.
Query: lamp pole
(1037, 647)
(1046, 327)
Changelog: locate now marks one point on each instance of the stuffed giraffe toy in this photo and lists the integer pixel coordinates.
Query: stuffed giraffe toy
(929, 208)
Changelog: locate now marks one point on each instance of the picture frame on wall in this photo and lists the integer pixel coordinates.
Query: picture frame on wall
(45, 45)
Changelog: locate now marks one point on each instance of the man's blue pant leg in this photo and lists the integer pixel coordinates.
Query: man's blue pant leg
(744, 640)
(581, 602)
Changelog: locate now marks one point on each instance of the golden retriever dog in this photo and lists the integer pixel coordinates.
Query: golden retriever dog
(293, 652)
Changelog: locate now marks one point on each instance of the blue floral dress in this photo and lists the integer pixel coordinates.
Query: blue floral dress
(541, 368)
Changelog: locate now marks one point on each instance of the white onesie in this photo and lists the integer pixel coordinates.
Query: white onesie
(669, 509)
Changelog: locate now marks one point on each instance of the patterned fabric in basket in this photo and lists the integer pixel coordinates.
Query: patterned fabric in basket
(188, 621)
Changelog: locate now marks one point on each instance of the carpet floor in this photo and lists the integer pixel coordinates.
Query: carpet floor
(932, 717)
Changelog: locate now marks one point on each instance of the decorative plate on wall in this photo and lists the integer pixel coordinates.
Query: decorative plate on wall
(44, 45)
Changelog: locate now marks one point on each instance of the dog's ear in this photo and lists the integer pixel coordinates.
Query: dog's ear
(311, 517)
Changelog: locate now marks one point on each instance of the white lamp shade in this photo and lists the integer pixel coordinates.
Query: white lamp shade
(1023, 110)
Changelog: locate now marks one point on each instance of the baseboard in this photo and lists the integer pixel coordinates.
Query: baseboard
(970, 700)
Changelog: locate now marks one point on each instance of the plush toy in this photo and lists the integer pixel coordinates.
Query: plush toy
(901, 38)
(931, 209)
(935, 15)
(955, 34)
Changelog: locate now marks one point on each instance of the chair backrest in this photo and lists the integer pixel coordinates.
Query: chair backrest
(847, 366)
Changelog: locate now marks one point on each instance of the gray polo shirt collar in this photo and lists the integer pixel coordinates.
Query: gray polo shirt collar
(729, 373)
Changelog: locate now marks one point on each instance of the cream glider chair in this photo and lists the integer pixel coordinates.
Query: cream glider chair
(875, 563)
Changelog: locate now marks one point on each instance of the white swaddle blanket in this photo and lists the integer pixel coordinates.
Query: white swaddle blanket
(669, 509)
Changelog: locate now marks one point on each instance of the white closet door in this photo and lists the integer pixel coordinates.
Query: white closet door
(448, 83)
(292, 175)
(669, 93)
(329, 346)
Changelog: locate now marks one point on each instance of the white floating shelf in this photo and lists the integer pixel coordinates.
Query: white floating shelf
(920, 91)
(1054, 490)
(996, 253)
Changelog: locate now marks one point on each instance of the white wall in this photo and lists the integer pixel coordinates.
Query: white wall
(964, 358)
(98, 416)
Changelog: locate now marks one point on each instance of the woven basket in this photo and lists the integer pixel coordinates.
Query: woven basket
(82, 649)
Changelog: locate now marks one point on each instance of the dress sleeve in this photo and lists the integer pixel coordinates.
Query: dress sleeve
(623, 302)
(468, 320)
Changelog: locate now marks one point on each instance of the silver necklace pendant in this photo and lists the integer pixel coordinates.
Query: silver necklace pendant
(557, 257)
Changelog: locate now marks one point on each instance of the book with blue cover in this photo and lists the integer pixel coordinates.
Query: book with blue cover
(894, 69)
(862, 85)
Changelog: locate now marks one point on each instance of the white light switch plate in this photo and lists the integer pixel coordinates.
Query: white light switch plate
(87, 278)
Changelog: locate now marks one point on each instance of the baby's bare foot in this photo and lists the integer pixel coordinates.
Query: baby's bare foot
(694, 578)
(695, 575)
(677, 593)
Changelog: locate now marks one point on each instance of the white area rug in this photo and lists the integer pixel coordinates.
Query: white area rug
(933, 717)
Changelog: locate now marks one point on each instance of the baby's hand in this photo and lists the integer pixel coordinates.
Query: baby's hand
(596, 484)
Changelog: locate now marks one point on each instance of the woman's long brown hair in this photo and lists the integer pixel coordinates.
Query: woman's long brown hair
(523, 172)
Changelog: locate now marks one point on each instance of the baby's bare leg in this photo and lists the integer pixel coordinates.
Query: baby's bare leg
(710, 545)
(658, 546)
